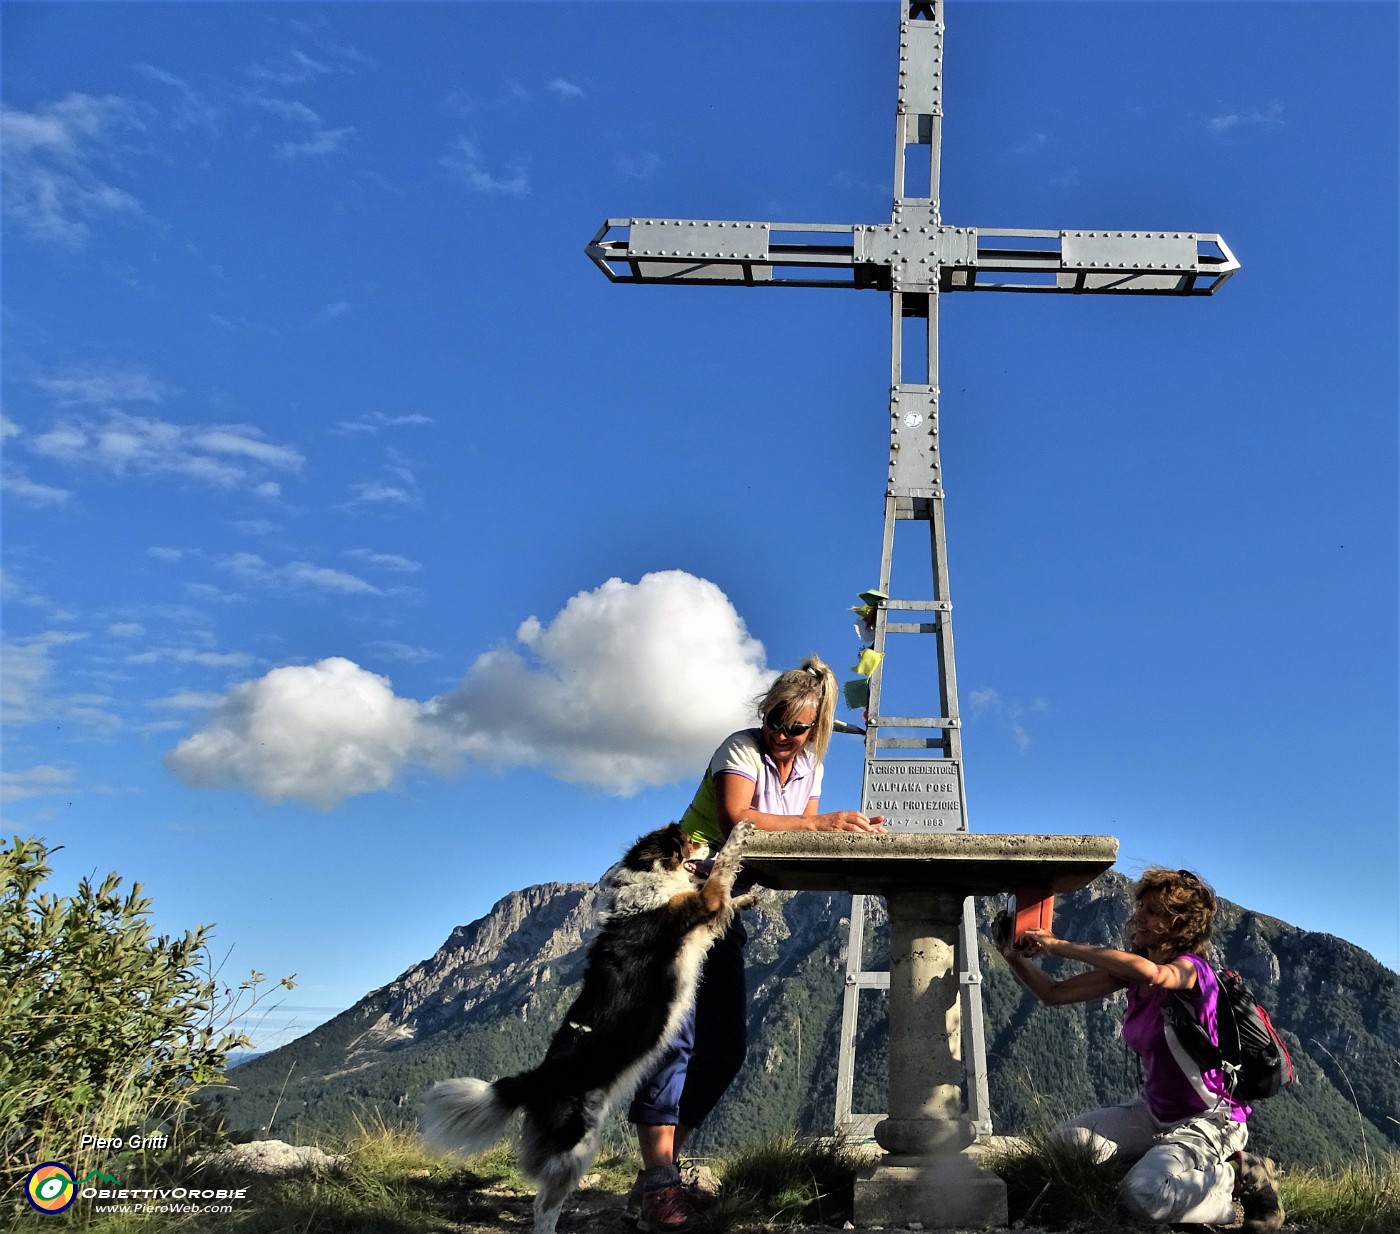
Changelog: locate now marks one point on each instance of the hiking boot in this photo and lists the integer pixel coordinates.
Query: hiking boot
(667, 1210)
(1257, 1192)
(632, 1206)
(701, 1186)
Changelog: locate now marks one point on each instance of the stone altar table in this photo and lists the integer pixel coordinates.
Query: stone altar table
(926, 1176)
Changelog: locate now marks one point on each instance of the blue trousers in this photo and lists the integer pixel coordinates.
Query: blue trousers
(709, 1046)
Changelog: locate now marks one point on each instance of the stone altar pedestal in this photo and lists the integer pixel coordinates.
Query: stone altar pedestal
(926, 1175)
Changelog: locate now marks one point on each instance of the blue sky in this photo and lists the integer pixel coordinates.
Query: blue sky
(323, 443)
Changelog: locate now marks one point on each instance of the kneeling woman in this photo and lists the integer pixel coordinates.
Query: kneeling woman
(770, 776)
(1183, 1131)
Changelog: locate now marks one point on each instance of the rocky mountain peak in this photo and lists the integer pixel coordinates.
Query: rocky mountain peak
(523, 930)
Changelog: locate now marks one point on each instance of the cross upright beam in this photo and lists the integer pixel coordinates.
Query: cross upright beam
(913, 764)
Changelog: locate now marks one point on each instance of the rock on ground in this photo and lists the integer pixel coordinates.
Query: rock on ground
(270, 1157)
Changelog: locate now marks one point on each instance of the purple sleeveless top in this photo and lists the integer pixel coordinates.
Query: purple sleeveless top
(1174, 1086)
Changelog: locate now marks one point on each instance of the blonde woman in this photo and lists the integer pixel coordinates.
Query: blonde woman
(770, 776)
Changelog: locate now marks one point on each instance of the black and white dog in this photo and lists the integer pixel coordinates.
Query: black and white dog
(659, 919)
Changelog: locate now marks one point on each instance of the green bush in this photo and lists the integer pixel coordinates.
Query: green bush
(108, 1029)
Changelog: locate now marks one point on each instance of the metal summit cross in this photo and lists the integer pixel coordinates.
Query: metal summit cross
(915, 257)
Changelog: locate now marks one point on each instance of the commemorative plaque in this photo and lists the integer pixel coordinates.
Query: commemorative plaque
(916, 794)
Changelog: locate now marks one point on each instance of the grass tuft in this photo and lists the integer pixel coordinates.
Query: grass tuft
(1056, 1186)
(1354, 1200)
(787, 1181)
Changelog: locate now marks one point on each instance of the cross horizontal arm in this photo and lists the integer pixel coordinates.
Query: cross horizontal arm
(712, 251)
(1133, 262)
(910, 254)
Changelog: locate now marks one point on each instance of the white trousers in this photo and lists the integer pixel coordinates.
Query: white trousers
(1182, 1171)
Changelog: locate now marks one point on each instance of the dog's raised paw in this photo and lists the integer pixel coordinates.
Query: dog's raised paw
(741, 834)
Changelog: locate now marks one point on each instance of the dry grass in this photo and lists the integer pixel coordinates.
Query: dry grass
(1356, 1200)
(391, 1184)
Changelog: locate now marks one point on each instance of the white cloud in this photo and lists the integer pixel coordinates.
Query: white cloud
(400, 488)
(8, 428)
(49, 156)
(39, 781)
(193, 109)
(389, 649)
(316, 138)
(323, 578)
(289, 68)
(344, 58)
(375, 492)
(321, 142)
(508, 96)
(14, 590)
(14, 483)
(246, 566)
(639, 166)
(207, 593)
(989, 702)
(329, 312)
(187, 700)
(24, 687)
(126, 629)
(253, 569)
(1268, 116)
(103, 387)
(224, 456)
(565, 89)
(385, 561)
(318, 734)
(630, 685)
(290, 109)
(377, 420)
(28, 667)
(190, 655)
(464, 161)
(88, 709)
(242, 443)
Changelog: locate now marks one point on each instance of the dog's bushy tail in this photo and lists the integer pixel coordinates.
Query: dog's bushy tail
(467, 1115)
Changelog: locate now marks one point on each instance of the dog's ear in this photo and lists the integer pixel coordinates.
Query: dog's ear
(663, 846)
(677, 845)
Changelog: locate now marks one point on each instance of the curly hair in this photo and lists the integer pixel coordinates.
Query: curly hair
(811, 684)
(1184, 902)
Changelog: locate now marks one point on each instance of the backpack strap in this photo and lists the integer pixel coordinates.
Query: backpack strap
(1224, 1053)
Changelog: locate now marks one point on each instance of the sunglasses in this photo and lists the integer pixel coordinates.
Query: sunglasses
(787, 730)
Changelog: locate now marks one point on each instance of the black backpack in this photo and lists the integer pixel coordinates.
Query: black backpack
(1251, 1055)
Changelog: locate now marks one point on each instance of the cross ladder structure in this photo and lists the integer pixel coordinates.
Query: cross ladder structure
(914, 764)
